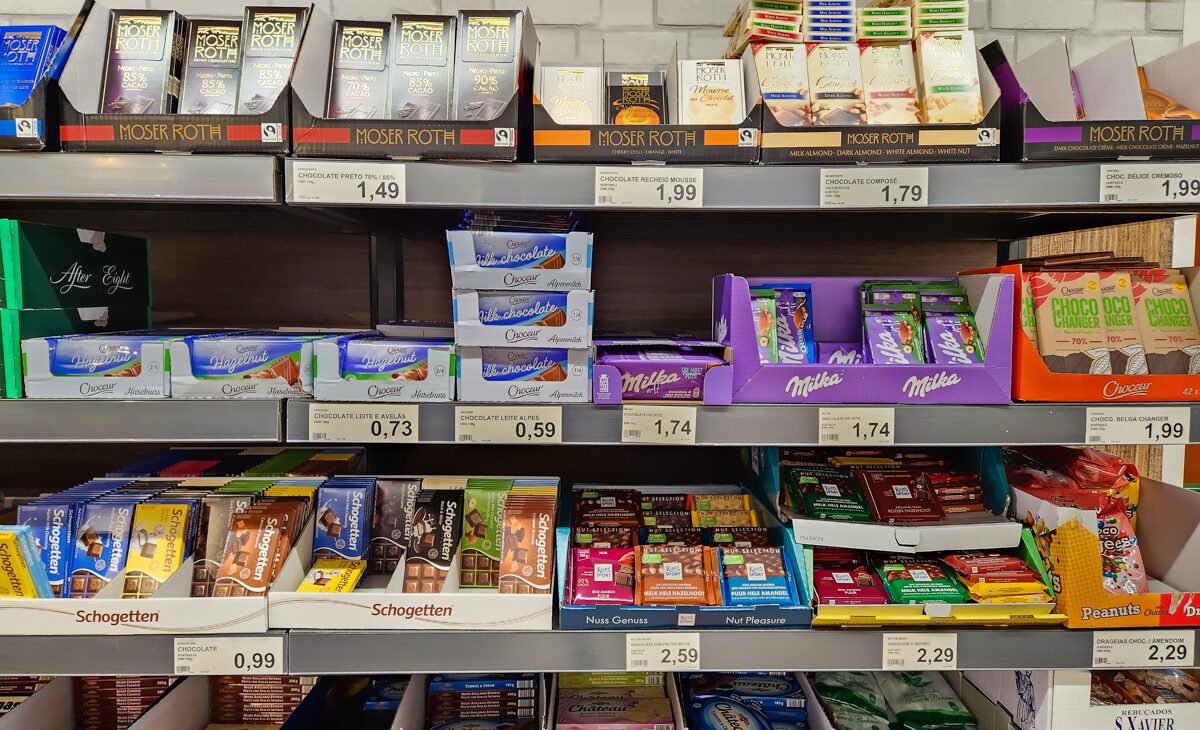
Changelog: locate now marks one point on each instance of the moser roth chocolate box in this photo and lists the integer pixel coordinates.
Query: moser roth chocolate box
(423, 66)
(358, 87)
(212, 67)
(272, 41)
(143, 64)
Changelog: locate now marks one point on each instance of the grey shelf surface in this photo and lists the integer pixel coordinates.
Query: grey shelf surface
(140, 178)
(1001, 186)
(796, 425)
(144, 421)
(70, 656)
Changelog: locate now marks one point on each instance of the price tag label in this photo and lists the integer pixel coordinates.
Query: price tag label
(1150, 183)
(856, 427)
(662, 652)
(1138, 425)
(920, 651)
(647, 187)
(642, 424)
(508, 424)
(229, 655)
(361, 423)
(348, 183)
(1143, 649)
(877, 187)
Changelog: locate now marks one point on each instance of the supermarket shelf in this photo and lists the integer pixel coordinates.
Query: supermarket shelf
(351, 652)
(140, 178)
(795, 425)
(63, 656)
(148, 421)
(1017, 187)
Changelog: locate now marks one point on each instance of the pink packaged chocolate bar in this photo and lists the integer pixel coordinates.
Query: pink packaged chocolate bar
(614, 713)
(602, 576)
(849, 587)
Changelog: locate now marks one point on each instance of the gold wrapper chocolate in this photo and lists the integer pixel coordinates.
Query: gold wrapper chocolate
(949, 73)
(1161, 106)
(637, 98)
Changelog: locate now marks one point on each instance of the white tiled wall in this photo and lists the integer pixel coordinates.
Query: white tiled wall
(643, 32)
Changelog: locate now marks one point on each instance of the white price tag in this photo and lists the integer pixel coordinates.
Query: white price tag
(1143, 649)
(229, 655)
(876, 187)
(1148, 425)
(920, 651)
(362, 423)
(348, 183)
(643, 424)
(649, 187)
(1150, 183)
(856, 426)
(508, 424)
(670, 652)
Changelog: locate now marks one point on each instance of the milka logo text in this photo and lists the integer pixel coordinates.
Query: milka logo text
(916, 387)
(799, 387)
(647, 381)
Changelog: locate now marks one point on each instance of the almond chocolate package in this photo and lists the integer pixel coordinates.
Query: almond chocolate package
(1167, 322)
(1070, 326)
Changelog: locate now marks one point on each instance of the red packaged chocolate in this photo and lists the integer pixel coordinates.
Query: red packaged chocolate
(602, 576)
(899, 495)
(858, 586)
(975, 563)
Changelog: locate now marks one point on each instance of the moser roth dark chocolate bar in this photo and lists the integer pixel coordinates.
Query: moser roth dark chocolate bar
(489, 63)
(212, 67)
(272, 37)
(145, 55)
(358, 76)
(423, 47)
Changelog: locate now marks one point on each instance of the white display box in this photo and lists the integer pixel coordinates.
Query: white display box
(568, 314)
(956, 532)
(171, 610)
(185, 706)
(514, 260)
(474, 387)
(153, 380)
(1061, 700)
(331, 384)
(50, 708)
(243, 354)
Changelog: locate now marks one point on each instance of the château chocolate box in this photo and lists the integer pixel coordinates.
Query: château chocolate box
(1042, 115)
(261, 121)
(685, 143)
(428, 114)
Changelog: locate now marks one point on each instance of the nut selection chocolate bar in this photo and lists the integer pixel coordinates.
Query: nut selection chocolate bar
(489, 65)
(143, 62)
(422, 66)
(272, 38)
(212, 67)
(435, 539)
(391, 528)
(358, 75)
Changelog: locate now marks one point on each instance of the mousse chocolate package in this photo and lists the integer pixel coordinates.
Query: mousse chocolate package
(489, 63)
(212, 67)
(422, 66)
(143, 62)
(637, 98)
(271, 39)
(358, 83)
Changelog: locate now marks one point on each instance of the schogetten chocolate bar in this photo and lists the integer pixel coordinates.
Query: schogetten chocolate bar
(143, 63)
(391, 529)
(436, 533)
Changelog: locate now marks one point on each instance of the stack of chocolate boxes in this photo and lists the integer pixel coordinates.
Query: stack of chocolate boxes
(63, 281)
(522, 307)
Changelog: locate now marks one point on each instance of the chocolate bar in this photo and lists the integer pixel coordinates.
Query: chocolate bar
(490, 63)
(899, 495)
(1070, 329)
(1167, 322)
(527, 547)
(602, 576)
(653, 501)
(667, 518)
(754, 576)
(636, 97)
(212, 67)
(52, 526)
(954, 339)
(606, 506)
(482, 525)
(725, 518)
(358, 76)
(1126, 352)
(434, 542)
(676, 576)
(596, 536)
(422, 56)
(101, 545)
(143, 62)
(693, 536)
(343, 524)
(248, 565)
(333, 576)
(660, 373)
(856, 586)
(391, 529)
(216, 517)
(271, 42)
(157, 547)
(837, 85)
(740, 537)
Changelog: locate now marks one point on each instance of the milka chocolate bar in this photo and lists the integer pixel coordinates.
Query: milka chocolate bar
(422, 66)
(636, 98)
(1125, 348)
(527, 562)
(212, 67)
(893, 338)
(489, 64)
(143, 62)
(659, 373)
(1070, 327)
(343, 525)
(1167, 322)
(436, 534)
(954, 339)
(272, 37)
(358, 75)
(395, 504)
(794, 335)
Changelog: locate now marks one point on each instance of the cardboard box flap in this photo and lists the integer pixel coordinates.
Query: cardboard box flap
(310, 73)
(1170, 548)
(83, 72)
(1109, 85)
(184, 706)
(1175, 75)
(1045, 77)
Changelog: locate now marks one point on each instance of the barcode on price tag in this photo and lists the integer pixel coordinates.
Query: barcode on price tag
(643, 187)
(856, 426)
(1174, 183)
(876, 187)
(920, 651)
(642, 424)
(508, 424)
(348, 183)
(671, 652)
(1143, 649)
(1139, 425)
(229, 655)
(361, 423)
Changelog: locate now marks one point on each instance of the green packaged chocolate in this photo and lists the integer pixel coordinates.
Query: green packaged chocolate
(858, 690)
(762, 303)
(482, 528)
(924, 701)
(828, 495)
(852, 718)
(920, 581)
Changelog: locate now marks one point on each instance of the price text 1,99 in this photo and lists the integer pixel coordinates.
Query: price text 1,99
(678, 191)
(1182, 188)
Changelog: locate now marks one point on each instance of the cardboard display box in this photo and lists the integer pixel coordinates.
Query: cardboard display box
(1167, 518)
(608, 384)
(542, 319)
(524, 381)
(669, 143)
(504, 138)
(623, 618)
(85, 129)
(429, 365)
(836, 318)
(1032, 380)
(1041, 118)
(33, 123)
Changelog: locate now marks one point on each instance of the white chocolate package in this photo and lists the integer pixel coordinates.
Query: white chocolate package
(890, 83)
(949, 75)
(573, 94)
(711, 92)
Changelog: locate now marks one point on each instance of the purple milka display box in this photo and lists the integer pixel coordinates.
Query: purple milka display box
(662, 369)
(837, 318)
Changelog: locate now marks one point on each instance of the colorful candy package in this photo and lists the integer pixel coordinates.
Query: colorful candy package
(1119, 552)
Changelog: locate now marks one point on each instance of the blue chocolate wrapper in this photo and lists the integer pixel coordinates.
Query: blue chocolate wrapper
(725, 713)
(794, 325)
(235, 356)
(342, 528)
(53, 525)
(495, 250)
(501, 363)
(954, 339)
(109, 520)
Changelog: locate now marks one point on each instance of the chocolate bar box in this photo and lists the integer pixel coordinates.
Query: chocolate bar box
(25, 55)
(271, 40)
(212, 67)
(489, 63)
(358, 75)
(143, 63)
(48, 267)
(422, 66)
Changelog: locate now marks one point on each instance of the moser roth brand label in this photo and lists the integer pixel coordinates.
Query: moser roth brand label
(422, 42)
(140, 36)
(215, 45)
